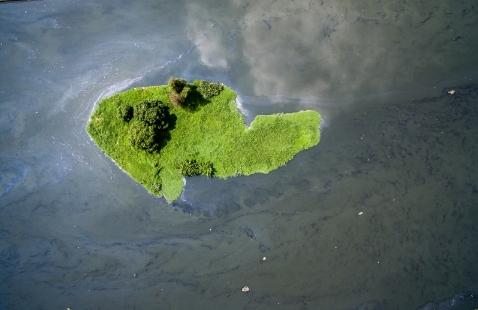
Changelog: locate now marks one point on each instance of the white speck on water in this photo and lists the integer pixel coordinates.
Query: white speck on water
(210, 228)
(245, 289)
(264, 258)
(451, 92)
(361, 213)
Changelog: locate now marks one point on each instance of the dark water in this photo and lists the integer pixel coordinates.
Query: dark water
(76, 232)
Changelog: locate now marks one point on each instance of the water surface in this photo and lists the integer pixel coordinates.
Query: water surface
(77, 232)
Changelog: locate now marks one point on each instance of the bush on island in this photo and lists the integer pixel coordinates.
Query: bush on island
(180, 91)
(192, 167)
(176, 99)
(152, 120)
(185, 92)
(209, 89)
(153, 113)
(125, 112)
(144, 137)
(177, 84)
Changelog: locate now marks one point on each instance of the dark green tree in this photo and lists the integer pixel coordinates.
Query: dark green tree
(151, 124)
(145, 137)
(153, 113)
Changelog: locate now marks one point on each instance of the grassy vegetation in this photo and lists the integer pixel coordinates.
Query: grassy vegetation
(209, 139)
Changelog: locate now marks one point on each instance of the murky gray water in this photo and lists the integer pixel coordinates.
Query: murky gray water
(76, 232)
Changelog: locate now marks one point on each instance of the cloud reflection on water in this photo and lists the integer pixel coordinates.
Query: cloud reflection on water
(306, 49)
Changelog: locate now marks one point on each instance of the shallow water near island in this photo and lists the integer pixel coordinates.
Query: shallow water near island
(75, 231)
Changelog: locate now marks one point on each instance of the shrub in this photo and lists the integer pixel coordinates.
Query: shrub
(180, 91)
(157, 184)
(192, 167)
(125, 112)
(177, 84)
(185, 92)
(153, 113)
(179, 99)
(145, 137)
(207, 169)
(209, 89)
(150, 128)
(176, 99)
(156, 188)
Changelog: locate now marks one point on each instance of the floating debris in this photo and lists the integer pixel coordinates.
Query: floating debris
(245, 289)
(361, 213)
(264, 258)
(249, 232)
(451, 92)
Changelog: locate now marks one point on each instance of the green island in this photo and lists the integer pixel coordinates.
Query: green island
(160, 134)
